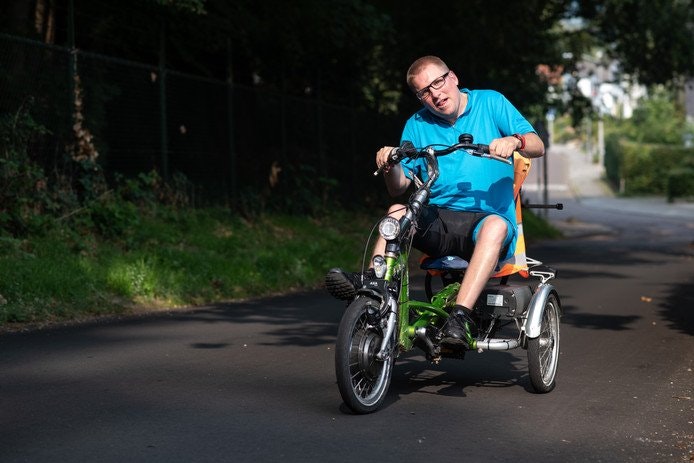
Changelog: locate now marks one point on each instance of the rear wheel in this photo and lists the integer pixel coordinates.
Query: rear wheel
(543, 351)
(362, 378)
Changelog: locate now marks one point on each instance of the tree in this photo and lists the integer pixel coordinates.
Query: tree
(489, 43)
(652, 39)
(347, 51)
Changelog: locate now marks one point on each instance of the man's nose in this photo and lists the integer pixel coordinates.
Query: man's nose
(436, 93)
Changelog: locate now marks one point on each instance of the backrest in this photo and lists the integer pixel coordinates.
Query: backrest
(517, 263)
(521, 167)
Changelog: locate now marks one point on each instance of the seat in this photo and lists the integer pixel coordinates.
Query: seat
(451, 268)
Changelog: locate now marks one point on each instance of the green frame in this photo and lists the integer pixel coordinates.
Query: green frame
(425, 313)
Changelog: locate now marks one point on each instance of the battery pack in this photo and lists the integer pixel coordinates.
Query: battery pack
(504, 300)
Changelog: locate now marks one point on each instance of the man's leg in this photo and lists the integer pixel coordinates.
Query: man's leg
(395, 211)
(343, 285)
(485, 256)
(490, 239)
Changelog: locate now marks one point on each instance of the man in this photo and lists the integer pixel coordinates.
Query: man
(471, 212)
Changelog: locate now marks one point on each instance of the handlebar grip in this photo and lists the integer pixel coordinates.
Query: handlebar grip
(393, 158)
(407, 149)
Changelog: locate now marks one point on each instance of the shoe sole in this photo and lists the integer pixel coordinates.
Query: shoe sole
(339, 286)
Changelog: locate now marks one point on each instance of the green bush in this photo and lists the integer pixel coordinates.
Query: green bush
(643, 168)
(641, 152)
(680, 183)
(613, 158)
(23, 186)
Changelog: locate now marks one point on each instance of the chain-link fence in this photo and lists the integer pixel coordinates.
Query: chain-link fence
(236, 145)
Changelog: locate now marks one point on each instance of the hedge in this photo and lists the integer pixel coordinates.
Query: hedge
(649, 168)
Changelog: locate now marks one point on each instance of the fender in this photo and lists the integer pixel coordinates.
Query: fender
(377, 290)
(372, 293)
(533, 321)
(380, 297)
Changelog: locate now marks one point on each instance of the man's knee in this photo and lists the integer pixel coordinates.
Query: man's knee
(396, 211)
(495, 229)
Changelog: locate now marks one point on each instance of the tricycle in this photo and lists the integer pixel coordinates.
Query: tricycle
(382, 321)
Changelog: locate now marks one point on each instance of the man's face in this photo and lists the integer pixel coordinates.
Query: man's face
(443, 101)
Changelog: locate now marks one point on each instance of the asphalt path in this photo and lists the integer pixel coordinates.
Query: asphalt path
(253, 381)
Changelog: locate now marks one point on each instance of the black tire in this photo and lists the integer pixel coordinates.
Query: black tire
(543, 351)
(363, 380)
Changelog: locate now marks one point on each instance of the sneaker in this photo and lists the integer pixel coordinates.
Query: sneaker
(343, 285)
(460, 328)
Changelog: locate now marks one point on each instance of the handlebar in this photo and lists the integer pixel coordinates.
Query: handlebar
(408, 150)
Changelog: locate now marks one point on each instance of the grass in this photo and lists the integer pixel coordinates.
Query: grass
(169, 259)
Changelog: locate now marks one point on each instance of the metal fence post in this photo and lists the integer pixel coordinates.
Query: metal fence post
(233, 182)
(72, 55)
(163, 132)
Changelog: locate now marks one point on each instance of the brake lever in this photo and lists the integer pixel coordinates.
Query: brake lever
(387, 164)
(395, 156)
(499, 158)
(483, 154)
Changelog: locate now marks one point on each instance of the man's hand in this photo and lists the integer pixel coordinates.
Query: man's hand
(382, 157)
(504, 147)
(396, 181)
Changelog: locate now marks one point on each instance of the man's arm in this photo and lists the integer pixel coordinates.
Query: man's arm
(396, 180)
(534, 147)
(528, 145)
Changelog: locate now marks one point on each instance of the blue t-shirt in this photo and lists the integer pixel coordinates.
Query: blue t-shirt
(466, 182)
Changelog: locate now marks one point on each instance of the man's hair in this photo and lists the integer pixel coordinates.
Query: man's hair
(416, 67)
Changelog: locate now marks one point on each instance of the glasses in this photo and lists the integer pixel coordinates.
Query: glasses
(436, 84)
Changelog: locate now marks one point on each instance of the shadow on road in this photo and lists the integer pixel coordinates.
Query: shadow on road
(413, 374)
(677, 309)
(594, 321)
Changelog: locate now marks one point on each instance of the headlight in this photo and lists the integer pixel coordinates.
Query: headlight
(389, 228)
(380, 266)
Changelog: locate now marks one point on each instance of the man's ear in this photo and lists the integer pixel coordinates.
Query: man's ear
(452, 75)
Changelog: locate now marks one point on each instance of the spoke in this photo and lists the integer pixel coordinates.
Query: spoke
(359, 387)
(545, 360)
(548, 345)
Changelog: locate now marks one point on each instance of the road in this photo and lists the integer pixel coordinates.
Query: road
(253, 381)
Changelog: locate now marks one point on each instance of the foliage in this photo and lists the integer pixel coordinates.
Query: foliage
(170, 257)
(23, 185)
(564, 129)
(652, 39)
(351, 52)
(612, 160)
(680, 182)
(657, 119)
(31, 201)
(165, 256)
(536, 228)
(191, 6)
(300, 191)
(483, 54)
(641, 151)
(644, 168)
(357, 51)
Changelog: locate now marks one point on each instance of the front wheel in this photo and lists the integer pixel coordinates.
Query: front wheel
(543, 351)
(362, 378)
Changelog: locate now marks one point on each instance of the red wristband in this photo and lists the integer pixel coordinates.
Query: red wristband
(522, 140)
